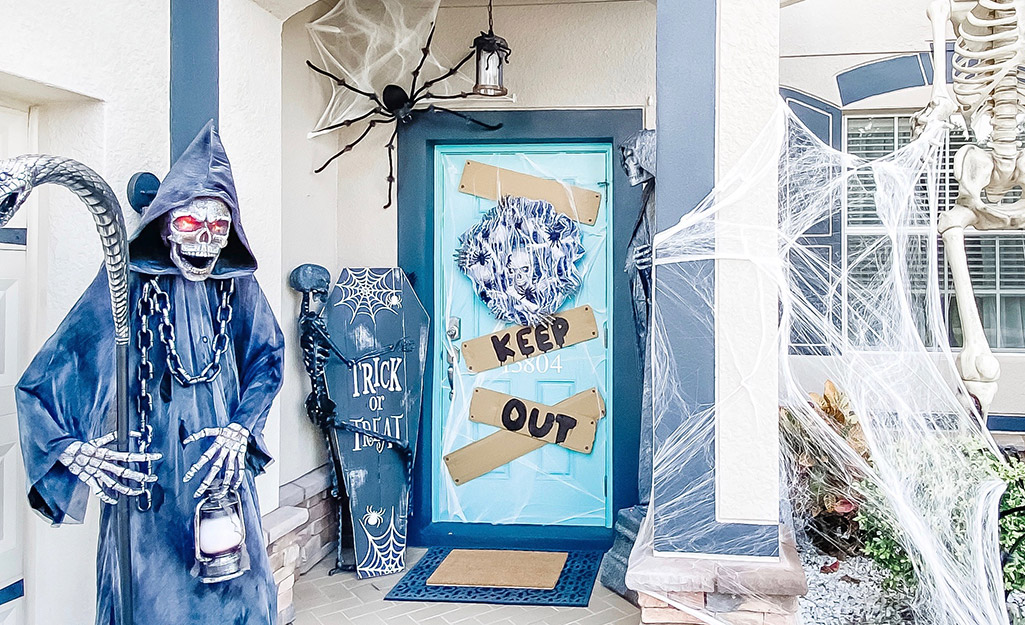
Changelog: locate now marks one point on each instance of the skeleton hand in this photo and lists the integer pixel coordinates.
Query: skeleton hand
(103, 468)
(940, 107)
(228, 452)
(642, 257)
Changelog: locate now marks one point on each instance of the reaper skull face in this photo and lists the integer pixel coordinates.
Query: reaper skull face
(196, 234)
(521, 268)
(639, 157)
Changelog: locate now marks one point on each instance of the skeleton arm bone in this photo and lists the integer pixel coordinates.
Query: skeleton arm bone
(941, 105)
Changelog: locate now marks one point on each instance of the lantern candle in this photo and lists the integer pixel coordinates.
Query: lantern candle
(220, 537)
(220, 534)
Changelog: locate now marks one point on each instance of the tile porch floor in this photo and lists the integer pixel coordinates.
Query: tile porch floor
(342, 600)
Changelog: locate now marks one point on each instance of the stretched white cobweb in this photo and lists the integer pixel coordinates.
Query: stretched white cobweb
(374, 43)
(366, 291)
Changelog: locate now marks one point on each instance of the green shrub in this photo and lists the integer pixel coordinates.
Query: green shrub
(881, 541)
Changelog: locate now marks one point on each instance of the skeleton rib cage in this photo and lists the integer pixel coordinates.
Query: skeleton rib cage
(987, 66)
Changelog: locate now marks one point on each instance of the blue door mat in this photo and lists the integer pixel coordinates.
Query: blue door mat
(572, 590)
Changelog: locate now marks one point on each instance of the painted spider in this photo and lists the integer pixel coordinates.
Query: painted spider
(373, 518)
(395, 104)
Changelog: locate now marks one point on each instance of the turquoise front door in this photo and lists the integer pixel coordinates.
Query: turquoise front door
(551, 486)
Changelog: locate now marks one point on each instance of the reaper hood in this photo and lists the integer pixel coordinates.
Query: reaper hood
(202, 171)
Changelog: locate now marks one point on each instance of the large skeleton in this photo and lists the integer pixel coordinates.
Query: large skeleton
(987, 70)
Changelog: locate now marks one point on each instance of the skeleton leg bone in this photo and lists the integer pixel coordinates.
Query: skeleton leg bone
(979, 369)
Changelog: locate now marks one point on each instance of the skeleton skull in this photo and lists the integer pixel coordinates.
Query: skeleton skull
(196, 235)
(521, 268)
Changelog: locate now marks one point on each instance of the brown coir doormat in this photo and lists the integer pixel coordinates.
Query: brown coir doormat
(495, 568)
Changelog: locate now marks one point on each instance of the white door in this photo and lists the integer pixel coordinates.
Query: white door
(14, 140)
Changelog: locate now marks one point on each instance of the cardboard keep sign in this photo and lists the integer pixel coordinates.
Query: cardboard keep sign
(487, 454)
(490, 182)
(518, 343)
(548, 424)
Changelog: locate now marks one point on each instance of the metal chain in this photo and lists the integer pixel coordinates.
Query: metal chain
(154, 300)
(162, 306)
(144, 341)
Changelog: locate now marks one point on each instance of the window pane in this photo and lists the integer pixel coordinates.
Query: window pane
(1012, 262)
(1012, 321)
(988, 313)
(869, 138)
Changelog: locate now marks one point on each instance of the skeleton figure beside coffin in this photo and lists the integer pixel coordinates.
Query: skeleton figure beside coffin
(365, 353)
(987, 67)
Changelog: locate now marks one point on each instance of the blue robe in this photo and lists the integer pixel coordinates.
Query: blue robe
(68, 392)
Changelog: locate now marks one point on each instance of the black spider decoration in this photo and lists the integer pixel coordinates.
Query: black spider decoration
(395, 104)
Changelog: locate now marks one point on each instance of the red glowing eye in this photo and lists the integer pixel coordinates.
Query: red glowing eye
(187, 223)
(220, 226)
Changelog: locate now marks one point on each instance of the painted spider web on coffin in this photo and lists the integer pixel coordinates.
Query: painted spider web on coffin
(366, 291)
(522, 259)
(386, 553)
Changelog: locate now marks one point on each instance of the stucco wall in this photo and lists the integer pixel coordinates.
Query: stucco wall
(250, 127)
(575, 55)
(747, 440)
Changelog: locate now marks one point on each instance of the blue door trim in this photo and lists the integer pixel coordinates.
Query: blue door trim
(416, 256)
(14, 236)
(686, 173)
(12, 592)
(194, 69)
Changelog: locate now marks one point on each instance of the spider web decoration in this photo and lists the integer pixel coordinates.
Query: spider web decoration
(386, 553)
(521, 257)
(368, 292)
(373, 43)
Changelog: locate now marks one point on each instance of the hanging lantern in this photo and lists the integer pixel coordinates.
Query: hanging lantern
(220, 537)
(492, 54)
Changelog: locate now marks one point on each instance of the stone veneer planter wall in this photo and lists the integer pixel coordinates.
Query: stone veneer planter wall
(301, 532)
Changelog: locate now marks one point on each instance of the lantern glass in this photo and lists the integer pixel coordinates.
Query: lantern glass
(220, 534)
(489, 73)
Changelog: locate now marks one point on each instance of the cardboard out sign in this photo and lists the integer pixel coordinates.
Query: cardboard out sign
(517, 343)
(549, 424)
(487, 454)
(490, 182)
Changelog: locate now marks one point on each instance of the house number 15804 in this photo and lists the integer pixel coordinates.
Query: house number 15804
(540, 364)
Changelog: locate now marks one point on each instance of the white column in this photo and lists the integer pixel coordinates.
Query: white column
(746, 308)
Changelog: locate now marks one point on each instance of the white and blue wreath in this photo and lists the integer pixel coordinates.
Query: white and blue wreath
(522, 259)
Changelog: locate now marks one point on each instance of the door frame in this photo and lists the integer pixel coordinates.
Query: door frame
(416, 142)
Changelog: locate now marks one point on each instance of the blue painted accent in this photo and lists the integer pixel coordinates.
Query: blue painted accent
(865, 81)
(926, 60)
(194, 69)
(822, 118)
(13, 236)
(1006, 423)
(825, 120)
(686, 162)
(572, 590)
(417, 140)
(12, 592)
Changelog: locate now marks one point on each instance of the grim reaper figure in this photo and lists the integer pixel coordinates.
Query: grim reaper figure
(205, 365)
